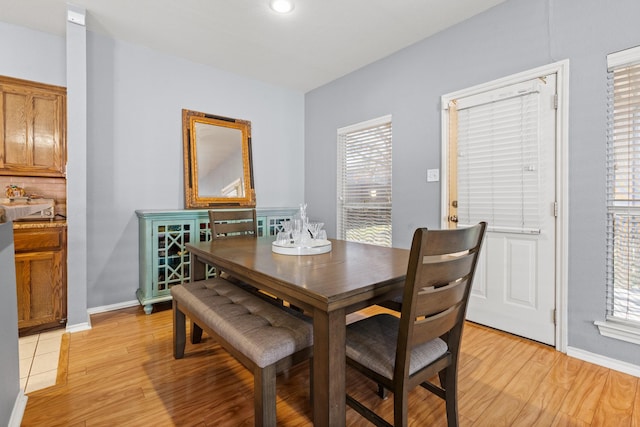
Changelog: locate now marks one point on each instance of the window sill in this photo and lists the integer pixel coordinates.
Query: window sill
(624, 331)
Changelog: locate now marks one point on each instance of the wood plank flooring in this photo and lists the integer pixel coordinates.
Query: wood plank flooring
(122, 373)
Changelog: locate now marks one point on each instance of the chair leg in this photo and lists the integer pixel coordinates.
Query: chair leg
(196, 333)
(264, 395)
(383, 393)
(400, 407)
(451, 395)
(179, 332)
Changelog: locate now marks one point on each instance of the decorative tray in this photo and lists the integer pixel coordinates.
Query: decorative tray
(313, 247)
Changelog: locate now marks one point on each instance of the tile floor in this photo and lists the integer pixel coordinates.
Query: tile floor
(39, 356)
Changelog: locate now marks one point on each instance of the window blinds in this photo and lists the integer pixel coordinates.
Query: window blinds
(364, 182)
(498, 159)
(623, 187)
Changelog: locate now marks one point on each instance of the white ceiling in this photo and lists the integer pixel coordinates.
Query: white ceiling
(318, 42)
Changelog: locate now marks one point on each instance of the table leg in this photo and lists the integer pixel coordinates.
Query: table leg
(329, 366)
(197, 269)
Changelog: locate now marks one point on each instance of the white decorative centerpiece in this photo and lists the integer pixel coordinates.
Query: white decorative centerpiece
(299, 236)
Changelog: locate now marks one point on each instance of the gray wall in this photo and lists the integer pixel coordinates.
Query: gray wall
(32, 55)
(134, 147)
(9, 367)
(77, 230)
(512, 37)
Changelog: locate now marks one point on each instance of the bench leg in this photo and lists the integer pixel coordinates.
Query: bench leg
(196, 333)
(179, 332)
(311, 383)
(264, 395)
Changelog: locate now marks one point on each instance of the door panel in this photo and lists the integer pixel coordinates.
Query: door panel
(514, 286)
(40, 290)
(507, 291)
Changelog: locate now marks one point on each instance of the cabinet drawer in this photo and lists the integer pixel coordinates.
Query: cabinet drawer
(33, 240)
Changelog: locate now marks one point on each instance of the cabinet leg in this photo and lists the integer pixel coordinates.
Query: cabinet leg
(148, 308)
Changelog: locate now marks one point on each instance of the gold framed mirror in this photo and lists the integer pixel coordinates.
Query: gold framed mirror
(218, 169)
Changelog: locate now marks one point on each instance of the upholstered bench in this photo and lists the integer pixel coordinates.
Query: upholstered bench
(264, 337)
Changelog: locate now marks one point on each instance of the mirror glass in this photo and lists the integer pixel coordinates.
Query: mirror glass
(217, 155)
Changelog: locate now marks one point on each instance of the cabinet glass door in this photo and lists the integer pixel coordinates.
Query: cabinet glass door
(172, 261)
(273, 224)
(204, 235)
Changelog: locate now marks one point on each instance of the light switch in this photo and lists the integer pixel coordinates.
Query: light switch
(433, 175)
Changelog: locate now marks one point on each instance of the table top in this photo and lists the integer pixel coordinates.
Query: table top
(350, 274)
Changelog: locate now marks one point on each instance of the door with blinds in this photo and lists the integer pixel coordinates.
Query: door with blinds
(502, 170)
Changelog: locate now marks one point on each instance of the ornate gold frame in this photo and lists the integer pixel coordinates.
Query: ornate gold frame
(194, 200)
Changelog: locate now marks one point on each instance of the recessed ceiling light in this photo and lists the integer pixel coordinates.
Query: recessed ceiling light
(281, 6)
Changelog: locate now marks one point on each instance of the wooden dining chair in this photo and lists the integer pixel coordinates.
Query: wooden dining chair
(402, 353)
(233, 223)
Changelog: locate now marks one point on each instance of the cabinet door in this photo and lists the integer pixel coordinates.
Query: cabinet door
(32, 131)
(204, 235)
(171, 263)
(40, 288)
(273, 225)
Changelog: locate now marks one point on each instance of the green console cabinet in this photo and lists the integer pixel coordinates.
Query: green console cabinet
(164, 262)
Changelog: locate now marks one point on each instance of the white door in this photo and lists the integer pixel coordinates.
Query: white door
(502, 170)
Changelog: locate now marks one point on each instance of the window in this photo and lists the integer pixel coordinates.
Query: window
(623, 191)
(364, 182)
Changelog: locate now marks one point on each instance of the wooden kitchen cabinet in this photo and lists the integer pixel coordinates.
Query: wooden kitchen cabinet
(32, 128)
(41, 278)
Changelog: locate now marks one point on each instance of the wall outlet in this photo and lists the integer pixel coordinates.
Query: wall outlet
(433, 175)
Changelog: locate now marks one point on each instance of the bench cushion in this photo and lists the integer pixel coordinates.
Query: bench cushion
(263, 332)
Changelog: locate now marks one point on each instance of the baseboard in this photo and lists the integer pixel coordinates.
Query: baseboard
(18, 409)
(78, 327)
(112, 307)
(607, 362)
(102, 309)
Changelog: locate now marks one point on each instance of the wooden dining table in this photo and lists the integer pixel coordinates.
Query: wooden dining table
(327, 286)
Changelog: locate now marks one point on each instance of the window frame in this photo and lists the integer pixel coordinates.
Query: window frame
(615, 326)
(341, 232)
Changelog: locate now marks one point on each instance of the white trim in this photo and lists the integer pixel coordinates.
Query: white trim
(613, 327)
(101, 309)
(607, 362)
(366, 124)
(623, 57)
(619, 330)
(18, 409)
(78, 327)
(113, 307)
(513, 91)
(561, 69)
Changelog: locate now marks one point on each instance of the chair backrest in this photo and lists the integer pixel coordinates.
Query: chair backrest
(439, 276)
(233, 223)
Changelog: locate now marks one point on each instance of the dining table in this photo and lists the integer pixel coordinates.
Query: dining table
(327, 286)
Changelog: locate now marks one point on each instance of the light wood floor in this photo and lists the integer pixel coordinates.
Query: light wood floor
(122, 373)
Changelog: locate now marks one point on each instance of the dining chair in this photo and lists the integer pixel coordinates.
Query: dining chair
(403, 352)
(233, 223)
